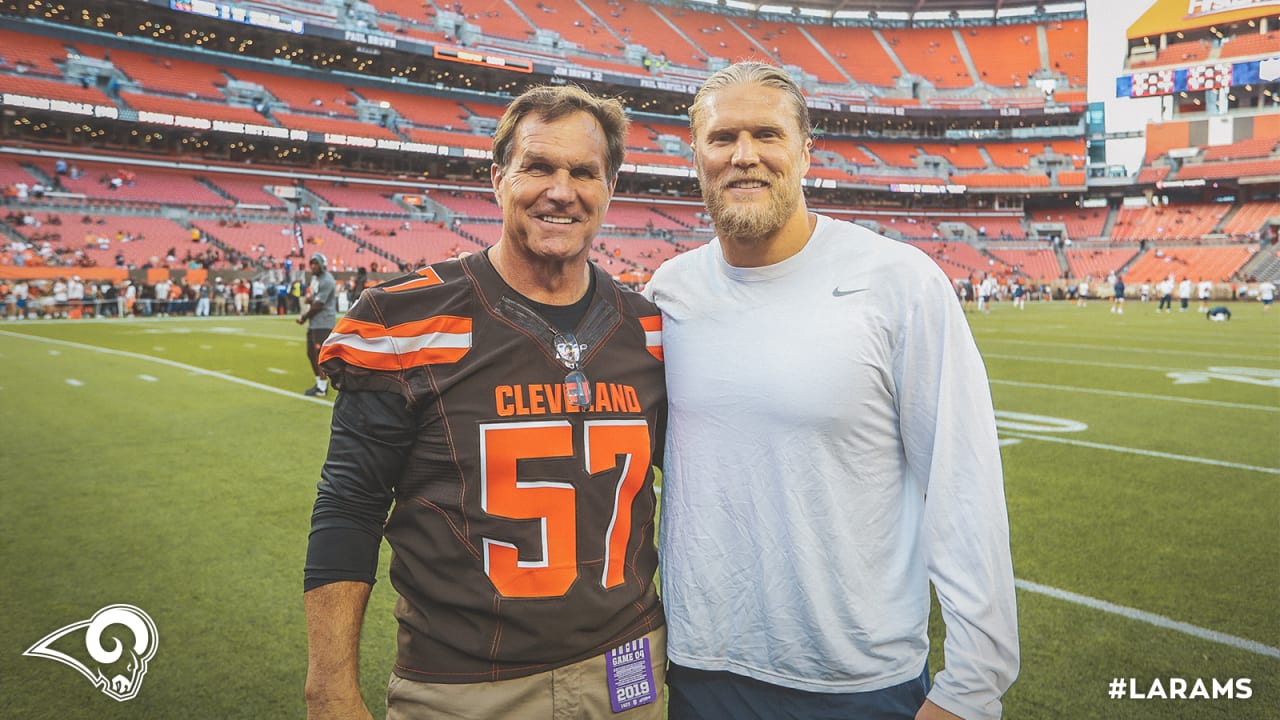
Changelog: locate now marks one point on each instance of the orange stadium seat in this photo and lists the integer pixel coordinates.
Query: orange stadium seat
(170, 75)
(932, 54)
(1158, 223)
(1039, 265)
(869, 64)
(1004, 55)
(1250, 44)
(360, 197)
(1068, 46)
(715, 35)
(35, 53)
(1099, 263)
(790, 44)
(495, 19)
(1216, 263)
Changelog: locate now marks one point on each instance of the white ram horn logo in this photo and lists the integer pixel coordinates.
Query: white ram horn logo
(117, 675)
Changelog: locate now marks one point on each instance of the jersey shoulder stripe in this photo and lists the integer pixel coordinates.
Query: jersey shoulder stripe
(431, 341)
(652, 325)
(426, 277)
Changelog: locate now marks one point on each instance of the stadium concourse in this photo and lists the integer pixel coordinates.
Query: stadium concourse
(189, 147)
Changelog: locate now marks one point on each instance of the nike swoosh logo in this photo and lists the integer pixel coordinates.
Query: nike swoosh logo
(841, 293)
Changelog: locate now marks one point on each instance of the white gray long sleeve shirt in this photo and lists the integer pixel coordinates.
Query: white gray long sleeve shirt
(831, 450)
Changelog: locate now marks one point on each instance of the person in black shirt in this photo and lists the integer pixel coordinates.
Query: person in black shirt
(508, 409)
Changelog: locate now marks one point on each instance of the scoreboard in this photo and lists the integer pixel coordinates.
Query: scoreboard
(1197, 78)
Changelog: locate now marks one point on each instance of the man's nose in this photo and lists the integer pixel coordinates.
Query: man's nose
(744, 151)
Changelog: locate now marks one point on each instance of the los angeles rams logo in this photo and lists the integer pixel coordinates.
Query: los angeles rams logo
(117, 671)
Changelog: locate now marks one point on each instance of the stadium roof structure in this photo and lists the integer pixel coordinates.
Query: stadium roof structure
(902, 10)
(1171, 16)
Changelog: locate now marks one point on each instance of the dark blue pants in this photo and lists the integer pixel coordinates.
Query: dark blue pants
(701, 695)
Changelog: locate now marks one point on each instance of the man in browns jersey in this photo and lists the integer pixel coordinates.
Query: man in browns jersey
(508, 409)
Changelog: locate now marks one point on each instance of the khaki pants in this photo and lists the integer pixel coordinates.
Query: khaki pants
(574, 692)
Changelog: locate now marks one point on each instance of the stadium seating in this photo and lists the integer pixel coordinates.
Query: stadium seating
(1166, 223)
(1080, 223)
(1098, 263)
(715, 35)
(1040, 265)
(866, 61)
(158, 74)
(1250, 44)
(246, 190)
(932, 54)
(1068, 49)
(1251, 217)
(359, 198)
(1005, 55)
(790, 44)
(957, 259)
(28, 53)
(276, 240)
(1215, 263)
(138, 184)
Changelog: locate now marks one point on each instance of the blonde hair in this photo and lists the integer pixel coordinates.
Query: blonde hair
(748, 73)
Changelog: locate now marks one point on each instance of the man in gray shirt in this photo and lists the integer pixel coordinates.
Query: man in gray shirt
(323, 315)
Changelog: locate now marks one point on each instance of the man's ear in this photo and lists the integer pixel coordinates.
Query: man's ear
(495, 176)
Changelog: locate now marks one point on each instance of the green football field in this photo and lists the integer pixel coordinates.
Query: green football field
(170, 464)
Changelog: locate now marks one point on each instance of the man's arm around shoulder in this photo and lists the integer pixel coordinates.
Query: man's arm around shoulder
(335, 613)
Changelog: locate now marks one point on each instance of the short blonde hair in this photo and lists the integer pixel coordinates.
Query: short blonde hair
(747, 73)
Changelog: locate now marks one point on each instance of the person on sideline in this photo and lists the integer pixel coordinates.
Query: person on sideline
(1184, 293)
(831, 450)
(508, 408)
(1204, 291)
(1117, 295)
(322, 313)
(1165, 288)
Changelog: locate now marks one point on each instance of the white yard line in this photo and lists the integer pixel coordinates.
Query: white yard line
(1145, 453)
(1113, 349)
(1137, 396)
(1151, 619)
(1089, 363)
(171, 363)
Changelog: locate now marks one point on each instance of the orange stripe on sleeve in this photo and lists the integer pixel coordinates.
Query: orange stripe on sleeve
(652, 325)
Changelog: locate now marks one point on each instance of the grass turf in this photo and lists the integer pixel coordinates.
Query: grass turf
(171, 464)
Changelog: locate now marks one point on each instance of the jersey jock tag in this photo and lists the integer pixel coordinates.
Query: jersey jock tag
(631, 675)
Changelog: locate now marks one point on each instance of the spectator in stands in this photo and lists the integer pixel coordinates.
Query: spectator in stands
(322, 314)
(799, 536)
(484, 634)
